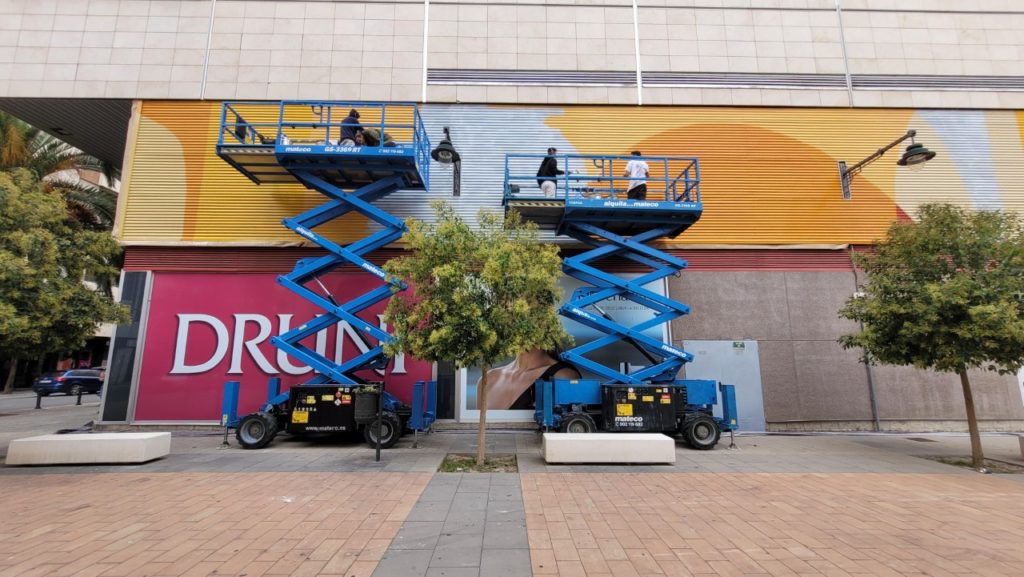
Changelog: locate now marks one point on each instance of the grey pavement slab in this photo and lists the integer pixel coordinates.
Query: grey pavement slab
(430, 511)
(458, 550)
(453, 572)
(417, 535)
(460, 518)
(403, 563)
(506, 563)
(505, 535)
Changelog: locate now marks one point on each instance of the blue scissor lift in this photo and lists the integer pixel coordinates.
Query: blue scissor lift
(298, 141)
(591, 206)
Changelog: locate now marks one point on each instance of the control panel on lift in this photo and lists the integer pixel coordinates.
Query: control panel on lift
(645, 408)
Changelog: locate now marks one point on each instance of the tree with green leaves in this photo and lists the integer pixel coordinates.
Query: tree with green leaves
(945, 293)
(477, 296)
(76, 176)
(44, 304)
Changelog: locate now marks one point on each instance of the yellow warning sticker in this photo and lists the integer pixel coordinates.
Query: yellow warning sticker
(300, 417)
(310, 400)
(648, 398)
(623, 410)
(666, 400)
(631, 396)
(327, 398)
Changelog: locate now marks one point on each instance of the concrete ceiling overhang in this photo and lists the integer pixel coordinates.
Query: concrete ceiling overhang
(98, 127)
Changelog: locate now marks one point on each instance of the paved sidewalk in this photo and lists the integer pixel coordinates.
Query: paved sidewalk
(830, 505)
(198, 524)
(837, 525)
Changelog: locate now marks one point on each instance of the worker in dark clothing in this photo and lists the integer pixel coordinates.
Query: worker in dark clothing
(349, 127)
(548, 167)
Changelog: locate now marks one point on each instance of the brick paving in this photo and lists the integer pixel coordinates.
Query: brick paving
(781, 505)
(198, 524)
(759, 524)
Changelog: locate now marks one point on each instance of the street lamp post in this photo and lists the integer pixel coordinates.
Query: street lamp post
(445, 153)
(913, 158)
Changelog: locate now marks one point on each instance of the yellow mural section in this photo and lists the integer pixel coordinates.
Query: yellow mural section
(768, 175)
(179, 190)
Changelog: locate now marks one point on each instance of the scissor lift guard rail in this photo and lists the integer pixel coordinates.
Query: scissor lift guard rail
(299, 141)
(590, 204)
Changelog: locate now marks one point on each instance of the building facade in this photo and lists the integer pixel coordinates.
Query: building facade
(768, 94)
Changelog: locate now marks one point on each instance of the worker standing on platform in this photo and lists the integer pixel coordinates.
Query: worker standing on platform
(349, 127)
(548, 168)
(637, 170)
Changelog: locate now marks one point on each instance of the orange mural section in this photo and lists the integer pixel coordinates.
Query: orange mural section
(181, 191)
(766, 177)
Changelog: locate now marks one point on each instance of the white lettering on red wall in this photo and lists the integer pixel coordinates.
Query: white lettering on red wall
(205, 329)
(233, 340)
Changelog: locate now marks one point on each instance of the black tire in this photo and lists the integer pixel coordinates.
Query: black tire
(256, 430)
(701, 432)
(577, 423)
(74, 389)
(391, 430)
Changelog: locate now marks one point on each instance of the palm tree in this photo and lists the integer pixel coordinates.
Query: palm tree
(84, 181)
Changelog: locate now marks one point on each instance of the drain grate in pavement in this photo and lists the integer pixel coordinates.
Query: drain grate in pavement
(921, 440)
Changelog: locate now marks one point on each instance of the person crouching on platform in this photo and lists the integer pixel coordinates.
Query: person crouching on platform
(350, 127)
(548, 168)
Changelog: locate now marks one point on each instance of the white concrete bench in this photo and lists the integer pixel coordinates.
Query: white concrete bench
(608, 448)
(94, 448)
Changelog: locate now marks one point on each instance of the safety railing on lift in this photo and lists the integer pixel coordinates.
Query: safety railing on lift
(670, 178)
(397, 127)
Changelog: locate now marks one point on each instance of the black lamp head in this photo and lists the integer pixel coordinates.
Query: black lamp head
(445, 153)
(915, 154)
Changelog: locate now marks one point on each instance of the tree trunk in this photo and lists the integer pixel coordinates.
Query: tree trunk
(9, 383)
(481, 401)
(977, 456)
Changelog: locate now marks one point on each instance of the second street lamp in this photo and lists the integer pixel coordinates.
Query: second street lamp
(913, 158)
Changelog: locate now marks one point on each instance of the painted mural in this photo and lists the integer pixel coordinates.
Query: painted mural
(768, 175)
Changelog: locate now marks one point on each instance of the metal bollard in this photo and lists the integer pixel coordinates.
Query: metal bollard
(39, 400)
(79, 401)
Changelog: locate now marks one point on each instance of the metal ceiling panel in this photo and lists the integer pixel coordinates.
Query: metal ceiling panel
(98, 127)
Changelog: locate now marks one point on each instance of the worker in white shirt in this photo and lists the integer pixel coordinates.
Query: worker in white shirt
(637, 170)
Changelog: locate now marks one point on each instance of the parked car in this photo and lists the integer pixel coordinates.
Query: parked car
(69, 382)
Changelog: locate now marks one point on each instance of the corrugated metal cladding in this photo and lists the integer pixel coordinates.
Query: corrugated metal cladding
(769, 176)
(281, 260)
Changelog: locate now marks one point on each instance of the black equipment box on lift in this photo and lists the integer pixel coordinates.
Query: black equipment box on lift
(639, 409)
(321, 409)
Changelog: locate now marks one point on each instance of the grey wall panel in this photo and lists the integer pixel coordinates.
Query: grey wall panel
(778, 382)
(912, 394)
(814, 300)
(831, 382)
(732, 306)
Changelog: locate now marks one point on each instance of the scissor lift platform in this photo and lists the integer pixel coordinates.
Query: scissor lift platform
(269, 142)
(593, 192)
